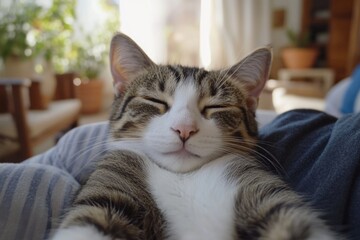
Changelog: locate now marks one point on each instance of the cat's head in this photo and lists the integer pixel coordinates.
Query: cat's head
(183, 117)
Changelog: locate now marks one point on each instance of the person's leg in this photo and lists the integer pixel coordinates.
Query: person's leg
(32, 198)
(320, 156)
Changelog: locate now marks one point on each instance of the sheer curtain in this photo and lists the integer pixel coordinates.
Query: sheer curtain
(144, 21)
(231, 29)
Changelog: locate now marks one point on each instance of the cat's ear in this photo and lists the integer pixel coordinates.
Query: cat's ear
(127, 59)
(253, 72)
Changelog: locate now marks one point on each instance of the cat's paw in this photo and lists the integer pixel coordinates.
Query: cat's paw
(80, 233)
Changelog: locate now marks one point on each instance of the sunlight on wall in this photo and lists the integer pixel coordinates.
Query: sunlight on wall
(205, 53)
(167, 30)
(144, 21)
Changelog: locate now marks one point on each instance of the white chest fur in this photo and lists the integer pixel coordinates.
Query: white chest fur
(198, 205)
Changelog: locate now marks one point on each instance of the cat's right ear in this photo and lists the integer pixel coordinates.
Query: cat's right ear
(127, 60)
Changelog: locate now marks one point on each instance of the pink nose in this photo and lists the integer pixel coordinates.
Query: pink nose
(185, 131)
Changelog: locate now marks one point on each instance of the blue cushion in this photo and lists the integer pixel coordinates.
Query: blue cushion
(351, 93)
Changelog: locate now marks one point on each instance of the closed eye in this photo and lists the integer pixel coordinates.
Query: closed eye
(155, 100)
(212, 107)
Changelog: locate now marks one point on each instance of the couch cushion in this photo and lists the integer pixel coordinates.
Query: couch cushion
(8, 146)
(40, 121)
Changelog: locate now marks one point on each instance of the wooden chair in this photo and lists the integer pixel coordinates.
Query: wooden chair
(24, 126)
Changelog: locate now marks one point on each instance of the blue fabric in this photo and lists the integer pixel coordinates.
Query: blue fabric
(351, 93)
(321, 158)
(35, 194)
(33, 198)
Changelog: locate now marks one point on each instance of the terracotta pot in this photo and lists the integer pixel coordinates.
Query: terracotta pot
(90, 93)
(298, 58)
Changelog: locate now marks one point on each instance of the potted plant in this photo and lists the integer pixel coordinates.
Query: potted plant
(30, 37)
(19, 47)
(92, 54)
(300, 54)
(90, 61)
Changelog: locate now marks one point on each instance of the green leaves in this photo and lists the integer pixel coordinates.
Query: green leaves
(28, 30)
(301, 40)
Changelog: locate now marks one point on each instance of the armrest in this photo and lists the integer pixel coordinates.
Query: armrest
(34, 85)
(14, 103)
(15, 82)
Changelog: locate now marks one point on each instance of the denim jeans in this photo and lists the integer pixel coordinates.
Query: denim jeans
(320, 159)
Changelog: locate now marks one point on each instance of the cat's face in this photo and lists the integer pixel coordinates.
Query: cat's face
(182, 117)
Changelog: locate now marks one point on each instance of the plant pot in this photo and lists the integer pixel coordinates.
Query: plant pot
(90, 93)
(299, 58)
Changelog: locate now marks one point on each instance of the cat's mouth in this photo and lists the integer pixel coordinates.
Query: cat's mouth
(183, 153)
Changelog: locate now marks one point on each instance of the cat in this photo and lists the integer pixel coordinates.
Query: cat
(182, 163)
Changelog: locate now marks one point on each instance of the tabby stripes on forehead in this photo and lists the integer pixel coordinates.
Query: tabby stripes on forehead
(175, 72)
(201, 75)
(189, 71)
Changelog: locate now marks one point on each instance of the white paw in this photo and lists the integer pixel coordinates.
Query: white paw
(80, 233)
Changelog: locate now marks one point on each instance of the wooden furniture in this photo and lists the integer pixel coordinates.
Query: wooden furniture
(319, 79)
(292, 95)
(301, 88)
(334, 27)
(25, 124)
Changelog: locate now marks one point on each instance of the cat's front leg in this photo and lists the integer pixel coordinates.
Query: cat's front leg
(266, 208)
(114, 203)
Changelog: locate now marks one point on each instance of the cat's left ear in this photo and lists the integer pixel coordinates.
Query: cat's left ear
(253, 72)
(127, 60)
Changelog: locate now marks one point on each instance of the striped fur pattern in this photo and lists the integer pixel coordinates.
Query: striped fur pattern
(182, 163)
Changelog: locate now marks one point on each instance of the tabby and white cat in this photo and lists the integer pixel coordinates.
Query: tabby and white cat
(182, 164)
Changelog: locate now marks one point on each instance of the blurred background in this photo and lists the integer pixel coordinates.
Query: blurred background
(56, 53)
